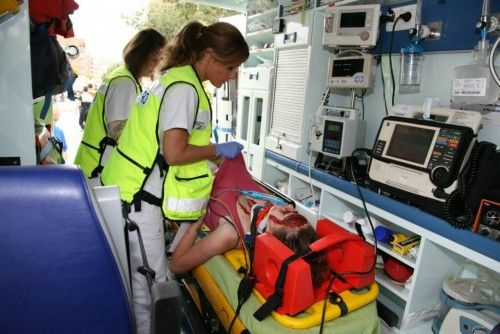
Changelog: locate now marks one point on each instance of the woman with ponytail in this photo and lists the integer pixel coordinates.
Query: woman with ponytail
(161, 162)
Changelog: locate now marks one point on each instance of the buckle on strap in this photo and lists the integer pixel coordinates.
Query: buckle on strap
(106, 141)
(337, 299)
(96, 171)
(162, 163)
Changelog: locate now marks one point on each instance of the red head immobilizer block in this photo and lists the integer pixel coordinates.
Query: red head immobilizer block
(350, 256)
(345, 252)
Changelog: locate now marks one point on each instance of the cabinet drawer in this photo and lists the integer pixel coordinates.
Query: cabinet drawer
(255, 78)
(297, 31)
(283, 146)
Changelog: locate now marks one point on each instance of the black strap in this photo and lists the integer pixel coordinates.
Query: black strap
(253, 235)
(91, 146)
(276, 298)
(248, 281)
(106, 141)
(359, 230)
(145, 170)
(147, 197)
(162, 164)
(131, 226)
(143, 195)
(125, 212)
(102, 147)
(96, 171)
(337, 299)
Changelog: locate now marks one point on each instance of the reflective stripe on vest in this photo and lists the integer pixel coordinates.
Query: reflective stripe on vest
(185, 205)
(95, 140)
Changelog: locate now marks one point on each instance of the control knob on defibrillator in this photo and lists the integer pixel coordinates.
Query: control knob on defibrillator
(440, 177)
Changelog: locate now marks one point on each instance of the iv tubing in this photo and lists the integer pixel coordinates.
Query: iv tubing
(353, 97)
(263, 196)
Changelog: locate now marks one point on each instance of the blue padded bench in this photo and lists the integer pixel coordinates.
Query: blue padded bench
(58, 272)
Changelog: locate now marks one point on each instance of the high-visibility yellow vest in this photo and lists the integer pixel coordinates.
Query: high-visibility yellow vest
(187, 187)
(90, 152)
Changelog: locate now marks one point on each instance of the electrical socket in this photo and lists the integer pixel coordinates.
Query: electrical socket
(402, 25)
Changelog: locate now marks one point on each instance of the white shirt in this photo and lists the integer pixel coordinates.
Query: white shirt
(119, 98)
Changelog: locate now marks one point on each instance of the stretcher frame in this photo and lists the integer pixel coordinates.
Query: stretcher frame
(204, 286)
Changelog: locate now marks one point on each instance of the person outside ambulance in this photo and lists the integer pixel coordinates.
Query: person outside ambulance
(161, 162)
(109, 112)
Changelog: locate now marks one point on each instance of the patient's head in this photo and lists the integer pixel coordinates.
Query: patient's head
(293, 230)
(290, 227)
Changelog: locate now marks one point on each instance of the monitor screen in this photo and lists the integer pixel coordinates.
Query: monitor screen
(410, 143)
(352, 20)
(347, 67)
(332, 141)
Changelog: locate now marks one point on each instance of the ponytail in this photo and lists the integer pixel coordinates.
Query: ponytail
(226, 41)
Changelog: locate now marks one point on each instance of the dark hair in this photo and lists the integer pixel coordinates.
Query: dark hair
(141, 49)
(187, 47)
(298, 239)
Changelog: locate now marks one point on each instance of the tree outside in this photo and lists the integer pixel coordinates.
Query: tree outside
(169, 16)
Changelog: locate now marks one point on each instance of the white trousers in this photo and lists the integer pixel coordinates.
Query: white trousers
(150, 222)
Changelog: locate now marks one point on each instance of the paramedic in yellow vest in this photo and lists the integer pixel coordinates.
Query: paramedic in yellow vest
(111, 107)
(161, 162)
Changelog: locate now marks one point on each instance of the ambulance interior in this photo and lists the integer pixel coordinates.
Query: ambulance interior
(377, 119)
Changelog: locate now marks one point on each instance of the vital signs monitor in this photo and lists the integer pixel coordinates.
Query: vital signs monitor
(351, 25)
(351, 69)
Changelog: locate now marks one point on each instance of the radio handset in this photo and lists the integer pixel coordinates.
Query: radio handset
(441, 178)
(460, 206)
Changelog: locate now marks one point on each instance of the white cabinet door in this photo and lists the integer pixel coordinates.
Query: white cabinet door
(258, 128)
(253, 113)
(244, 108)
(16, 101)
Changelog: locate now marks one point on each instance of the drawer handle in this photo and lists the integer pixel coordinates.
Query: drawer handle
(251, 76)
(290, 38)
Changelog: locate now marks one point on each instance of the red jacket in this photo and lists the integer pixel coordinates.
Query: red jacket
(55, 12)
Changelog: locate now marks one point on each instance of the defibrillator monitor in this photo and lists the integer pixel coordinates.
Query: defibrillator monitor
(415, 157)
(351, 69)
(351, 25)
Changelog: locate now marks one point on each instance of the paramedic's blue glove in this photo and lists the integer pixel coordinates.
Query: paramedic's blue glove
(228, 150)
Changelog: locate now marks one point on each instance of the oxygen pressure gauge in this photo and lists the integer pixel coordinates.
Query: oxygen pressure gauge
(487, 221)
(492, 217)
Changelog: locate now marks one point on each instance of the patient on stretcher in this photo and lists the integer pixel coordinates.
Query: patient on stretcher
(229, 217)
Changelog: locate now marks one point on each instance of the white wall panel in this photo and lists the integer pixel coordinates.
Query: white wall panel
(17, 134)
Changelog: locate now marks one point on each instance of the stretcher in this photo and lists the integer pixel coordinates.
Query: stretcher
(218, 282)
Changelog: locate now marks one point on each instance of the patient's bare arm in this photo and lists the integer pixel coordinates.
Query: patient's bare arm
(115, 128)
(188, 254)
